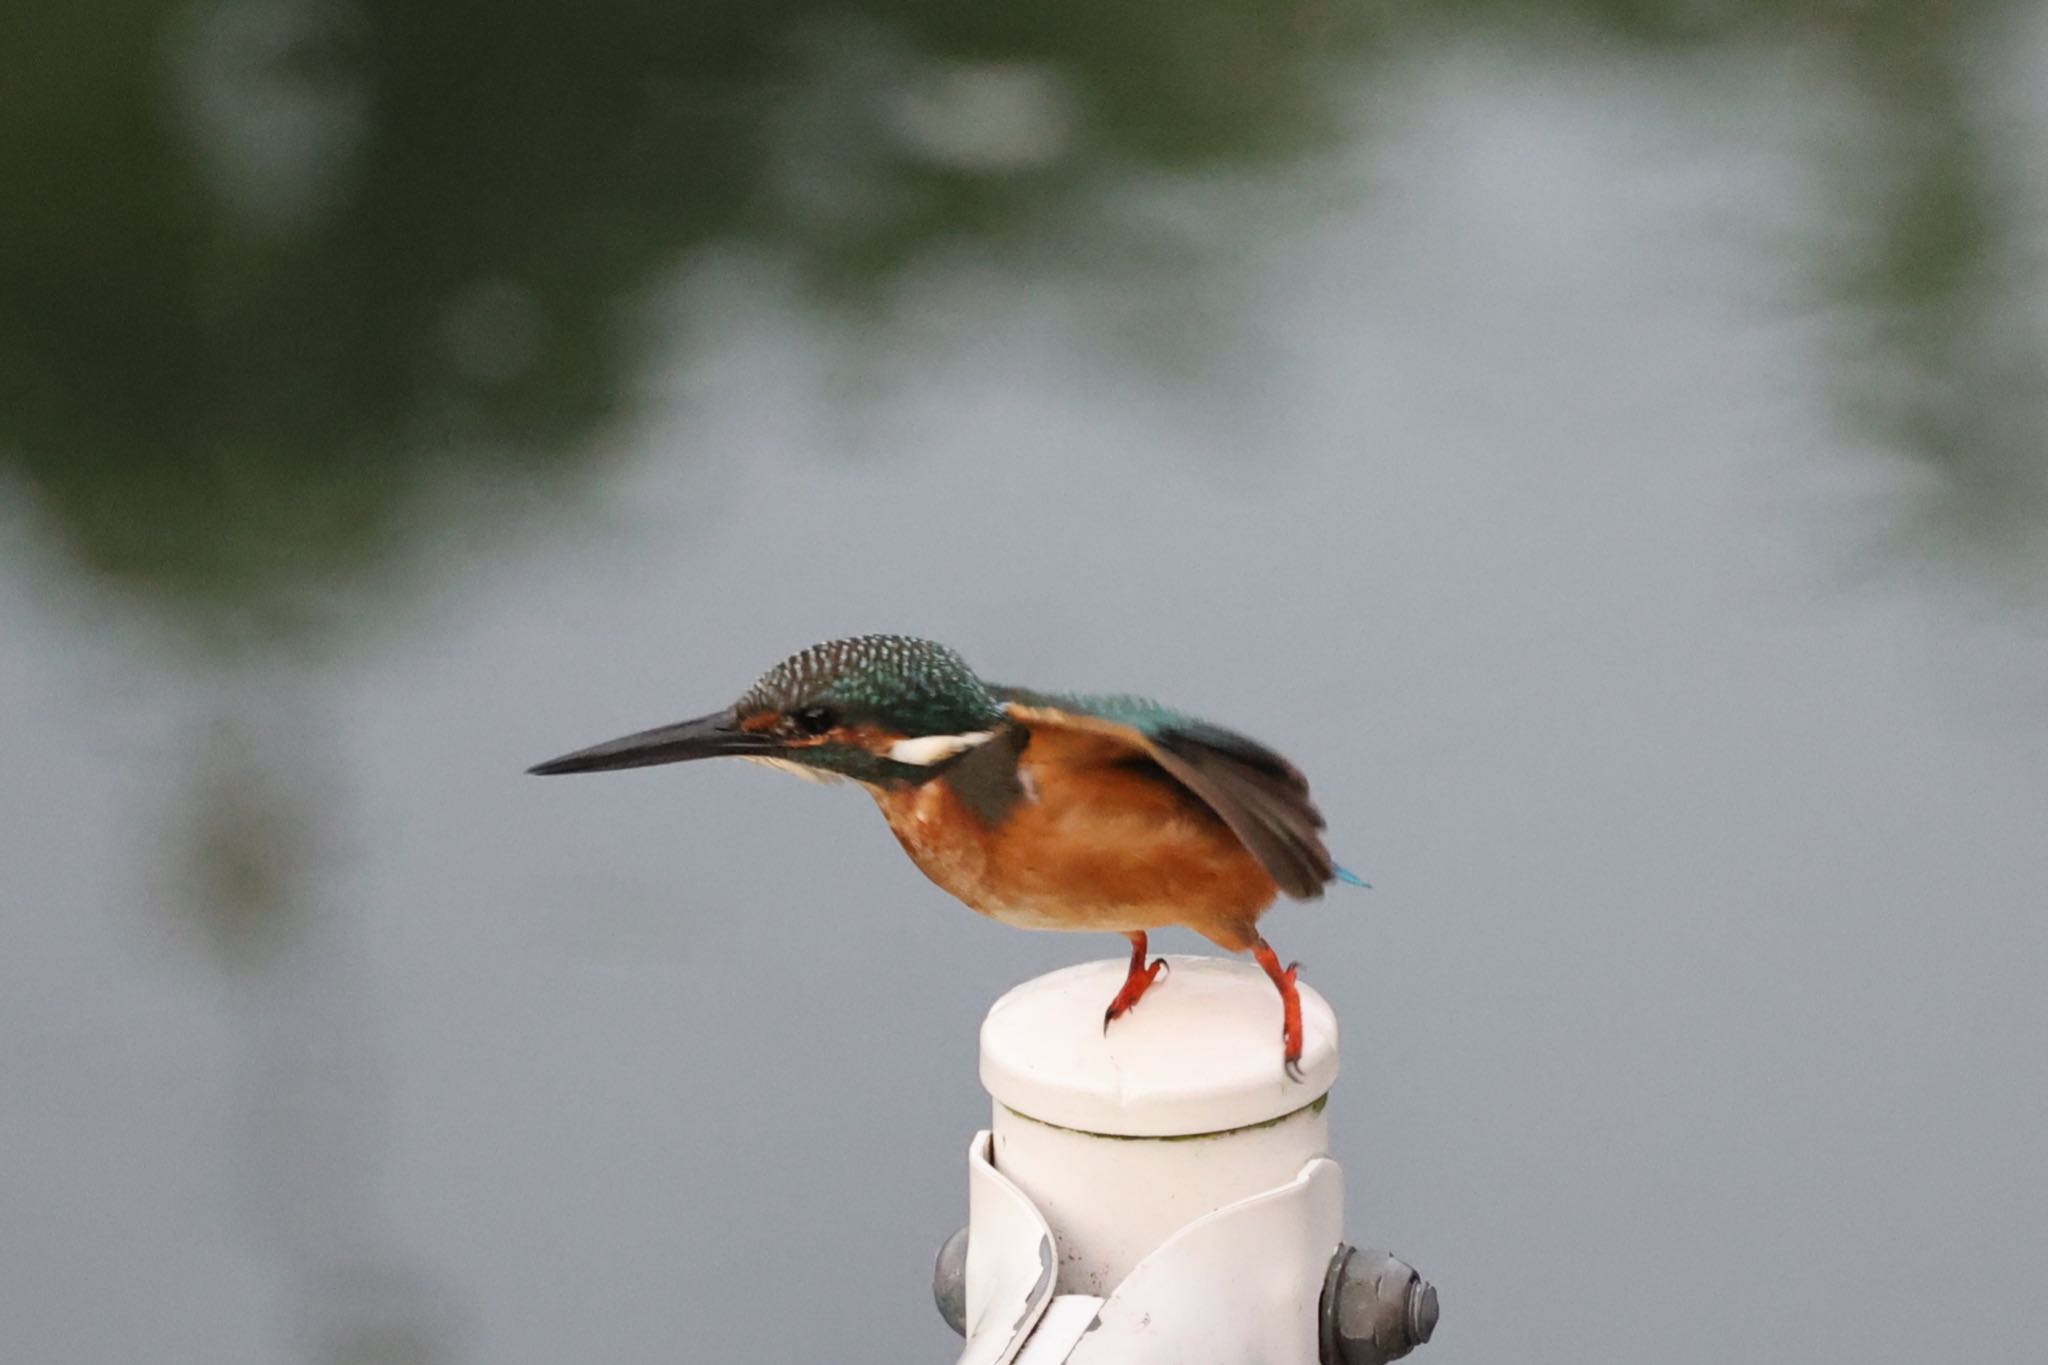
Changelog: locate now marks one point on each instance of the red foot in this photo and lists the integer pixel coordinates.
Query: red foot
(1290, 1006)
(1136, 983)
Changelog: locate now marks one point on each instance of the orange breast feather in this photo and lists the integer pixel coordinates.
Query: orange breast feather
(1102, 839)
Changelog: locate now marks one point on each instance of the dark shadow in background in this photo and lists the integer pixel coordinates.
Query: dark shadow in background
(270, 268)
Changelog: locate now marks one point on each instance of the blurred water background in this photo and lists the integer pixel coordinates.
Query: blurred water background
(1602, 440)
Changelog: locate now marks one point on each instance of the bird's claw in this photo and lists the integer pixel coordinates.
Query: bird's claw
(1293, 1069)
(1134, 989)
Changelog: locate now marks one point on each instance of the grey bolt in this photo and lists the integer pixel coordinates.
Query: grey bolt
(949, 1283)
(1375, 1308)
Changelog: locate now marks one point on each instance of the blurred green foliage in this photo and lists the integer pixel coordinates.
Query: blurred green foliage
(270, 268)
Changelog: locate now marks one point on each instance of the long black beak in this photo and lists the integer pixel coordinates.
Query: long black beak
(705, 737)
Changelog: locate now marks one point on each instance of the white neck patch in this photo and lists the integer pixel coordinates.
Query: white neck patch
(925, 750)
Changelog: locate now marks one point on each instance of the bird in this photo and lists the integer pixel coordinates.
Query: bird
(1042, 810)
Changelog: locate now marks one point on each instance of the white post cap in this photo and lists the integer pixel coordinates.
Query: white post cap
(1200, 1053)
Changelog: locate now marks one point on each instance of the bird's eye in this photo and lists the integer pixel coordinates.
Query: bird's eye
(813, 720)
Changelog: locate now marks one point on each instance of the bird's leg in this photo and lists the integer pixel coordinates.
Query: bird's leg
(1137, 982)
(1290, 1004)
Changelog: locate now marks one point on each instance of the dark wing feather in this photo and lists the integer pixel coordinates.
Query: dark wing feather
(1270, 811)
(1262, 797)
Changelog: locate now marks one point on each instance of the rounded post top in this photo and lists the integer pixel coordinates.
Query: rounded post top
(1200, 1053)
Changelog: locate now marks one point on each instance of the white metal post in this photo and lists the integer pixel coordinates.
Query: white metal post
(1160, 1192)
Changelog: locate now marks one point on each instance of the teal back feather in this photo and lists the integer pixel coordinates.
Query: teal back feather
(1153, 720)
(1142, 714)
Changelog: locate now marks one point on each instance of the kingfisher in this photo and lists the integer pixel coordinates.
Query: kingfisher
(1044, 810)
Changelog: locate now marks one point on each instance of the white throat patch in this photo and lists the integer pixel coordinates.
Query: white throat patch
(925, 750)
(803, 770)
